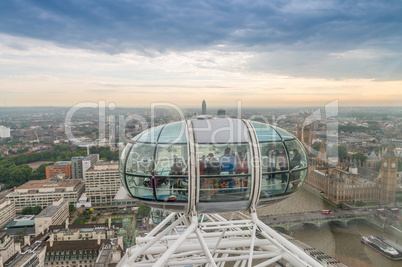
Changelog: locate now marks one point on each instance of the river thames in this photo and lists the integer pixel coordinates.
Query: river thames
(342, 243)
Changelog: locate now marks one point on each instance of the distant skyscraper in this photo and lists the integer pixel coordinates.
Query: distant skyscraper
(221, 113)
(204, 107)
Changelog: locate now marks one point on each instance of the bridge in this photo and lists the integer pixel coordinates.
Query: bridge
(287, 221)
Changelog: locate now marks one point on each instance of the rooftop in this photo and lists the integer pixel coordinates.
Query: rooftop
(50, 210)
(21, 224)
(104, 166)
(89, 157)
(38, 184)
(63, 163)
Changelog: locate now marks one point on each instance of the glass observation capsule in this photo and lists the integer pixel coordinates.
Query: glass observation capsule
(212, 165)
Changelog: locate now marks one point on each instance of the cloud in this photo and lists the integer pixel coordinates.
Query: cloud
(115, 26)
(339, 39)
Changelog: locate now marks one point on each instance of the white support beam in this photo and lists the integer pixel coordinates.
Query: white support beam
(214, 243)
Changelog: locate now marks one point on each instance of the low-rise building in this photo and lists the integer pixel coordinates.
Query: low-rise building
(7, 212)
(21, 222)
(60, 167)
(54, 214)
(44, 192)
(103, 253)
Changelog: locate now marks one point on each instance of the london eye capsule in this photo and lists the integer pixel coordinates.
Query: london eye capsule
(212, 165)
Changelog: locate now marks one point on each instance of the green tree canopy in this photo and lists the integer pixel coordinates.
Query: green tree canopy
(143, 210)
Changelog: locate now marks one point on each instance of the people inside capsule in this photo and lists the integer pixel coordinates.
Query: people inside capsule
(228, 162)
(283, 164)
(241, 161)
(203, 165)
(272, 154)
(212, 166)
(176, 169)
(295, 175)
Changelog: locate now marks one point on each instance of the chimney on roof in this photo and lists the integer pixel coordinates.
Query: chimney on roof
(27, 240)
(67, 223)
(109, 223)
(120, 242)
(51, 240)
(99, 239)
(17, 247)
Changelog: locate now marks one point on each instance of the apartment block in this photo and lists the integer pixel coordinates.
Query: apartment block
(7, 212)
(44, 192)
(102, 181)
(54, 214)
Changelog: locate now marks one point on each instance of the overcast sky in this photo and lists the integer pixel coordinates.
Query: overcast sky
(265, 53)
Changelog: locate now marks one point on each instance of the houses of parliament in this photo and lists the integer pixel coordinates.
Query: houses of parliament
(348, 183)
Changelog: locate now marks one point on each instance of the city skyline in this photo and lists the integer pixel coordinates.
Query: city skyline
(274, 53)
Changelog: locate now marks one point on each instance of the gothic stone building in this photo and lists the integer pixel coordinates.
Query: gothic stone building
(340, 185)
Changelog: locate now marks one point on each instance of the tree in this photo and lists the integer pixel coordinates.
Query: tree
(143, 210)
(36, 210)
(339, 151)
(360, 203)
(27, 211)
(360, 157)
(21, 234)
(71, 208)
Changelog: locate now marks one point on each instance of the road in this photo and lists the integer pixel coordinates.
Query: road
(314, 216)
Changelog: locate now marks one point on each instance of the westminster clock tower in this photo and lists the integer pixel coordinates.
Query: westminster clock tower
(389, 168)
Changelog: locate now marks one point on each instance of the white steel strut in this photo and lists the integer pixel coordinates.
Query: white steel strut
(211, 240)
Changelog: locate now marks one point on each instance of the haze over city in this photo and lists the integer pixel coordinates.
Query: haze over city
(265, 53)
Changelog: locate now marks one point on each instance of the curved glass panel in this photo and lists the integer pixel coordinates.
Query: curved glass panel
(265, 132)
(174, 133)
(158, 216)
(284, 134)
(123, 156)
(297, 155)
(135, 138)
(296, 179)
(273, 186)
(171, 172)
(140, 159)
(150, 135)
(273, 157)
(220, 131)
(141, 187)
(224, 172)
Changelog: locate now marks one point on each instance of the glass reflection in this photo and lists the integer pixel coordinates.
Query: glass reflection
(140, 186)
(296, 179)
(140, 159)
(296, 154)
(273, 187)
(172, 172)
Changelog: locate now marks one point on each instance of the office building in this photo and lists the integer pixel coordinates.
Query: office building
(76, 167)
(204, 107)
(59, 168)
(7, 212)
(44, 192)
(102, 181)
(81, 164)
(54, 214)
